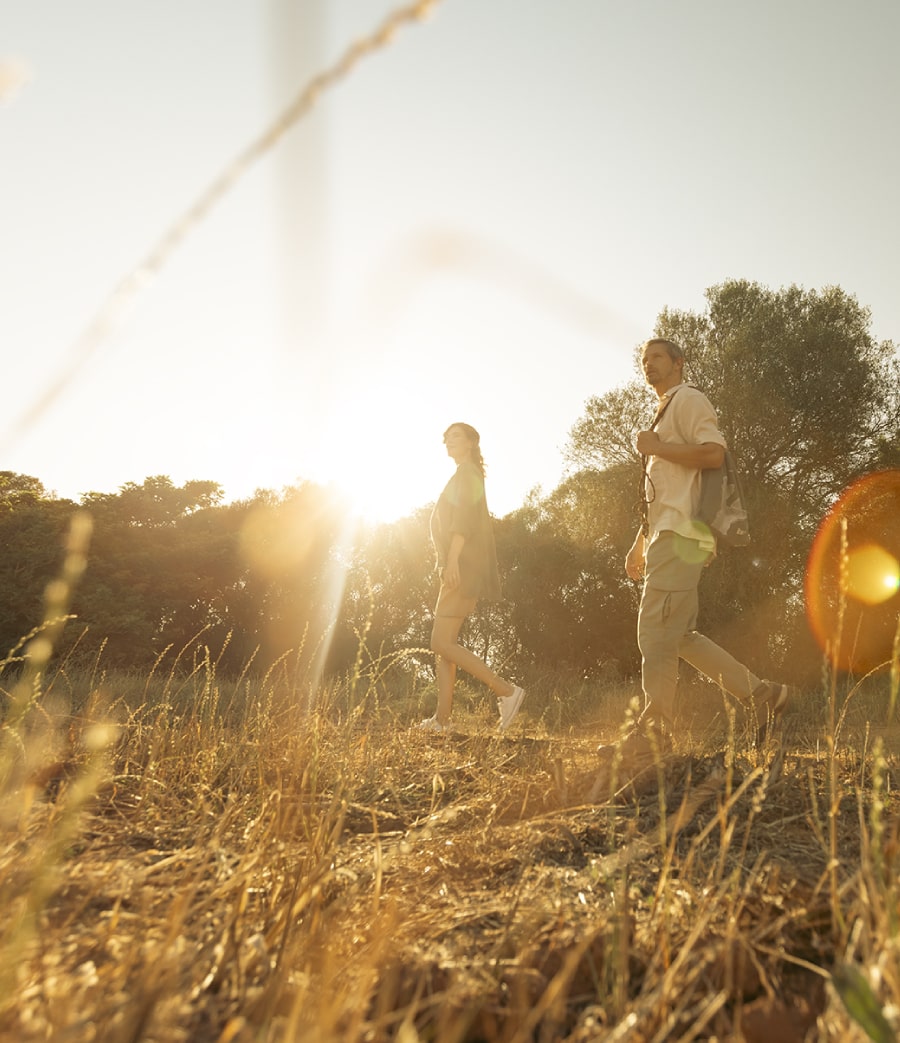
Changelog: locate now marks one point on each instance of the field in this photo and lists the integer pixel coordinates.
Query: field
(189, 859)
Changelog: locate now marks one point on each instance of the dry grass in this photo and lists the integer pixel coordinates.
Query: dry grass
(188, 860)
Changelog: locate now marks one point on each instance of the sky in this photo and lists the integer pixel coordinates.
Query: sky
(480, 221)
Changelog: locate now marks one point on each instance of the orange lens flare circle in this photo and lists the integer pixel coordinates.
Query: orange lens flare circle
(853, 575)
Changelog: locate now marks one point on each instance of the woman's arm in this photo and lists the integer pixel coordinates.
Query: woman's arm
(450, 576)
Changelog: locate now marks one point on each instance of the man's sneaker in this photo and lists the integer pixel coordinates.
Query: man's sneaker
(770, 706)
(432, 724)
(639, 744)
(509, 706)
(621, 762)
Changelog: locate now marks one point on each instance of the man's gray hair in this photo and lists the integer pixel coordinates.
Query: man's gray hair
(676, 351)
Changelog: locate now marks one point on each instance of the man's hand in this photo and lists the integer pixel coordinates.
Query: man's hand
(634, 560)
(647, 443)
(701, 457)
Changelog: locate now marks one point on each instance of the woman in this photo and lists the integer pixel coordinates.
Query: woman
(467, 562)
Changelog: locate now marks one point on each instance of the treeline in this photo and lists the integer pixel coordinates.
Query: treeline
(173, 567)
(806, 397)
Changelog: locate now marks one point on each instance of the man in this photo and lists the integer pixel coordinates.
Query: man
(670, 551)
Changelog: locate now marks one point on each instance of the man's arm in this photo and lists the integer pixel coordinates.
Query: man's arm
(702, 457)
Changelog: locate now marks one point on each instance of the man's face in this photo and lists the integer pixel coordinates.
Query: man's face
(661, 371)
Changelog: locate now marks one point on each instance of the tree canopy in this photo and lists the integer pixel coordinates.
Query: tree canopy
(807, 399)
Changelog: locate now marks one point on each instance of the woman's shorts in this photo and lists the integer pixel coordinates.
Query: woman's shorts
(452, 603)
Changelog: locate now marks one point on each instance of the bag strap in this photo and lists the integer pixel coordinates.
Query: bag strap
(645, 477)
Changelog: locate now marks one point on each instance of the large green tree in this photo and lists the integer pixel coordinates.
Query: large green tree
(808, 400)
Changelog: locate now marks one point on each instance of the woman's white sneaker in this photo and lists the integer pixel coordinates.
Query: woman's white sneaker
(432, 724)
(509, 706)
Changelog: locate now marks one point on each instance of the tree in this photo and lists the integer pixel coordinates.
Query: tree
(565, 597)
(158, 560)
(604, 437)
(32, 536)
(807, 400)
(157, 501)
(389, 594)
(806, 396)
(17, 490)
(295, 549)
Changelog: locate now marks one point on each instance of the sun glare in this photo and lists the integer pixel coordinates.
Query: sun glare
(873, 575)
(853, 574)
(376, 443)
(375, 490)
(374, 496)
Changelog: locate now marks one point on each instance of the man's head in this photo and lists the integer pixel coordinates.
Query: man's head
(663, 364)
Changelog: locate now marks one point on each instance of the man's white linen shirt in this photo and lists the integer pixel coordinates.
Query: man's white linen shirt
(673, 490)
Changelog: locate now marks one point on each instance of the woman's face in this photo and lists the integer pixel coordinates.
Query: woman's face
(458, 443)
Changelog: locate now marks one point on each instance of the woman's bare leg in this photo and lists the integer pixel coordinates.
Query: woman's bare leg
(450, 655)
(446, 678)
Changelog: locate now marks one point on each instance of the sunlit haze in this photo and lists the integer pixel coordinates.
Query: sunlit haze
(853, 574)
(478, 223)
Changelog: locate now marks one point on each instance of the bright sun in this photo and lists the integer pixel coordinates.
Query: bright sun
(375, 495)
(382, 472)
(375, 431)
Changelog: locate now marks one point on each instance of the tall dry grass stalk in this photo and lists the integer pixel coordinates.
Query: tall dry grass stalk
(122, 298)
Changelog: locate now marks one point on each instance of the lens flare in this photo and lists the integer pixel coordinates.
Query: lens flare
(853, 574)
(872, 574)
(296, 547)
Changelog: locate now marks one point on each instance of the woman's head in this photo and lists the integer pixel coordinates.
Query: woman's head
(463, 442)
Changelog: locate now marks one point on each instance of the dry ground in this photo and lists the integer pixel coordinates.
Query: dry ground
(365, 883)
